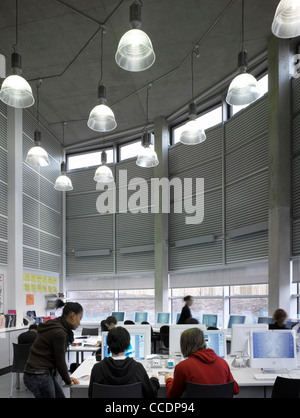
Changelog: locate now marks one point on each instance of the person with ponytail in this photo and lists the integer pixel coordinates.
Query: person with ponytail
(48, 352)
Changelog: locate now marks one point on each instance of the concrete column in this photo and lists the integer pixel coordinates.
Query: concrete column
(161, 280)
(279, 175)
(14, 291)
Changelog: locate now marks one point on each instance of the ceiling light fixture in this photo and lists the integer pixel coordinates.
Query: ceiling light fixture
(15, 90)
(102, 118)
(63, 183)
(135, 51)
(37, 156)
(286, 22)
(103, 173)
(192, 133)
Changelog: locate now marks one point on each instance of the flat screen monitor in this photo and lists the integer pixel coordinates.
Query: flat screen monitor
(240, 337)
(140, 317)
(265, 320)
(120, 316)
(174, 336)
(210, 320)
(177, 317)
(163, 318)
(31, 314)
(236, 319)
(273, 349)
(140, 342)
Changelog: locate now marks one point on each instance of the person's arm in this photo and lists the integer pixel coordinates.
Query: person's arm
(59, 344)
(175, 386)
(149, 386)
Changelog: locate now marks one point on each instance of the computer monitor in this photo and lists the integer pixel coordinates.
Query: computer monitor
(236, 319)
(163, 318)
(265, 320)
(31, 314)
(120, 316)
(210, 320)
(140, 342)
(175, 332)
(240, 337)
(140, 317)
(273, 349)
(177, 317)
(216, 340)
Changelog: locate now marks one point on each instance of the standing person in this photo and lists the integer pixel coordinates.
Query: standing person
(29, 336)
(47, 354)
(202, 365)
(186, 312)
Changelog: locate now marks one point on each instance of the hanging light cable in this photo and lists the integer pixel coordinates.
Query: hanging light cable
(37, 156)
(63, 182)
(243, 89)
(15, 90)
(286, 23)
(135, 51)
(192, 133)
(101, 118)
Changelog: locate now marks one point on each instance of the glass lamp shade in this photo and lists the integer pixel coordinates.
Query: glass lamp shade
(243, 90)
(147, 158)
(37, 157)
(286, 23)
(63, 183)
(135, 51)
(192, 134)
(16, 92)
(103, 174)
(102, 119)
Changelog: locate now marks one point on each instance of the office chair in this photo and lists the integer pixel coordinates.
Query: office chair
(133, 390)
(286, 388)
(196, 390)
(90, 331)
(128, 322)
(164, 337)
(154, 336)
(20, 357)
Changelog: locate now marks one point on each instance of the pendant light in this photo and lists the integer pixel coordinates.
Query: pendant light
(192, 133)
(101, 118)
(37, 156)
(15, 90)
(243, 89)
(103, 173)
(135, 51)
(147, 158)
(286, 23)
(63, 183)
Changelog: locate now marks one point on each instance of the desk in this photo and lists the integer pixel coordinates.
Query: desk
(249, 386)
(88, 345)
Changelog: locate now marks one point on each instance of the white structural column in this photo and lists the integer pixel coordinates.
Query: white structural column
(279, 175)
(14, 282)
(161, 134)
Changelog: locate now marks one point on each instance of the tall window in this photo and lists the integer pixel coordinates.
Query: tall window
(249, 300)
(88, 159)
(133, 149)
(97, 304)
(141, 300)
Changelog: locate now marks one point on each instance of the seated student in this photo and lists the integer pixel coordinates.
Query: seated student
(201, 366)
(121, 370)
(29, 336)
(279, 318)
(111, 322)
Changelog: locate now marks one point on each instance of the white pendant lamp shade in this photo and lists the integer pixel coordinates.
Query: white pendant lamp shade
(243, 90)
(103, 173)
(148, 157)
(135, 51)
(37, 156)
(286, 23)
(102, 118)
(15, 90)
(63, 183)
(192, 133)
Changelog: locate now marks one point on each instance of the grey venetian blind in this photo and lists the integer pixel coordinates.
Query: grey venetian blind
(3, 184)
(41, 203)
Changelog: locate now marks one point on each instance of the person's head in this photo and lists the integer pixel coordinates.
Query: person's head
(280, 316)
(188, 300)
(72, 312)
(33, 327)
(111, 322)
(192, 340)
(118, 340)
(191, 321)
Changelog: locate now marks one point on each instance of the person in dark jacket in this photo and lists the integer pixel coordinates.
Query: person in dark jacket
(279, 318)
(29, 336)
(121, 370)
(48, 352)
(186, 312)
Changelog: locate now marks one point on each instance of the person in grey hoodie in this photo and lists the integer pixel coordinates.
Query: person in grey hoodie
(121, 370)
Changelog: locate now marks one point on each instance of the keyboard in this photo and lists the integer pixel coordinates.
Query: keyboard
(272, 376)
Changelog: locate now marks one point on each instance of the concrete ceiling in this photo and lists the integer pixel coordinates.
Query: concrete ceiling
(52, 34)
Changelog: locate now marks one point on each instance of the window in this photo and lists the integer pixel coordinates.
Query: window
(205, 121)
(263, 85)
(249, 300)
(141, 300)
(89, 159)
(131, 150)
(97, 304)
